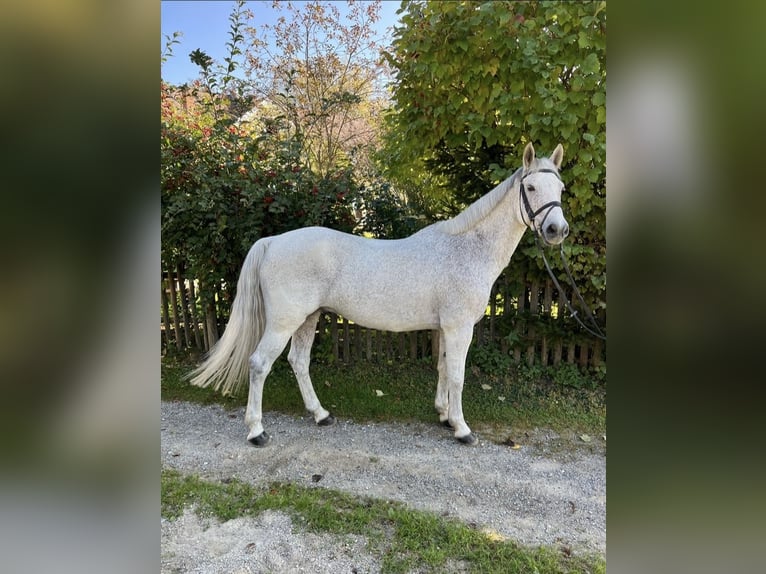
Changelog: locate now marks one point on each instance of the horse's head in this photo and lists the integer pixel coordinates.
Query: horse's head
(540, 195)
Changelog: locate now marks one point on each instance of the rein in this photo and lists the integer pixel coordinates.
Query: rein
(596, 330)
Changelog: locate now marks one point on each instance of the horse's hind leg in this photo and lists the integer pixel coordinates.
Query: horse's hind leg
(299, 358)
(268, 350)
(442, 395)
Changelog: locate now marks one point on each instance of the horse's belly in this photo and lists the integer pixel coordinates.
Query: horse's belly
(387, 311)
(395, 323)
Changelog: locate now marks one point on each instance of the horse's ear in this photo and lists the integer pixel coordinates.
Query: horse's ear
(529, 155)
(557, 156)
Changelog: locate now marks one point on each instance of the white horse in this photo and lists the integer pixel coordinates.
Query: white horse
(438, 278)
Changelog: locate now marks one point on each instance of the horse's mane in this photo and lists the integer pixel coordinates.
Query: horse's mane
(479, 209)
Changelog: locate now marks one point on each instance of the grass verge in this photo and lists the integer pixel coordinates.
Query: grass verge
(524, 398)
(404, 539)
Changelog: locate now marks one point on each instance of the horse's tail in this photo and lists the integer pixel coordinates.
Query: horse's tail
(226, 366)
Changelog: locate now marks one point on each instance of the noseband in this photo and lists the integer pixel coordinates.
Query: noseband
(528, 208)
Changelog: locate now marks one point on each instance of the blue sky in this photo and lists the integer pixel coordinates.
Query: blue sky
(205, 25)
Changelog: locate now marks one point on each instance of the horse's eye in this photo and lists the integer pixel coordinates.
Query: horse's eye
(531, 187)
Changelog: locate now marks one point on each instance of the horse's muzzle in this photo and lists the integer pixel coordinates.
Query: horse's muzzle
(555, 232)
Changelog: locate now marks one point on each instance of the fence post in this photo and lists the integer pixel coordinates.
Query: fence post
(521, 302)
(380, 351)
(346, 342)
(357, 343)
(435, 347)
(368, 341)
(184, 304)
(174, 310)
(211, 320)
(211, 325)
(221, 322)
(492, 312)
(557, 349)
(571, 352)
(597, 353)
(533, 298)
(166, 314)
(547, 304)
(584, 354)
(195, 320)
(334, 335)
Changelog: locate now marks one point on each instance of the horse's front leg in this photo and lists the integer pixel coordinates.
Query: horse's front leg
(457, 341)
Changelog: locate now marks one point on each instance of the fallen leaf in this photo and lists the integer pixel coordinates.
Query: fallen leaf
(486, 387)
(379, 393)
(585, 438)
(500, 398)
(493, 535)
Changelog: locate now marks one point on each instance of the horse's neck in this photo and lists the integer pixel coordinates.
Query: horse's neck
(502, 230)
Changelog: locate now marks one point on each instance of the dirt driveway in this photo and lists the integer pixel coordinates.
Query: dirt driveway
(552, 490)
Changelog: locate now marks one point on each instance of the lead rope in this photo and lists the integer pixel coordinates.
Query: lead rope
(596, 331)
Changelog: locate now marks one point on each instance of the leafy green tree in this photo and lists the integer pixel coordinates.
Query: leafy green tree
(474, 82)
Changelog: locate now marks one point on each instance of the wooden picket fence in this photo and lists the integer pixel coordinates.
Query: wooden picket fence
(536, 311)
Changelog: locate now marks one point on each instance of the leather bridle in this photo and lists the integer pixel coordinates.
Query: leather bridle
(528, 208)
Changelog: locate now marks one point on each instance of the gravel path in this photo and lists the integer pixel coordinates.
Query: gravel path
(550, 491)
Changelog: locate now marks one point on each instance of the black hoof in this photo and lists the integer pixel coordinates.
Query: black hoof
(446, 424)
(261, 440)
(468, 439)
(328, 421)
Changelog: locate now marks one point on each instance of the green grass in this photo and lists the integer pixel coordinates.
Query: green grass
(404, 539)
(560, 399)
